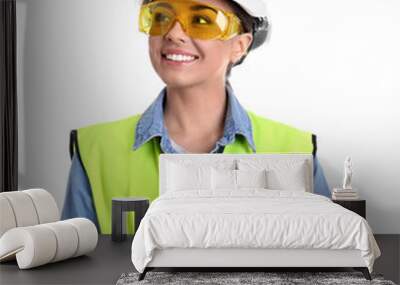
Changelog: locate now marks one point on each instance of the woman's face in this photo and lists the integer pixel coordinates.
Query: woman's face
(211, 56)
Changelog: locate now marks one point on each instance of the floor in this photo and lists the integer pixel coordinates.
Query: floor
(110, 260)
(388, 263)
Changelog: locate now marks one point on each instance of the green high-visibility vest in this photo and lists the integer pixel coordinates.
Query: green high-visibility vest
(114, 169)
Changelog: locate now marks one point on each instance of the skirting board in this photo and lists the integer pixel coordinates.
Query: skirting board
(234, 257)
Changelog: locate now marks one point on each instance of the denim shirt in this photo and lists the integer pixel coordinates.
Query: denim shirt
(79, 201)
(151, 124)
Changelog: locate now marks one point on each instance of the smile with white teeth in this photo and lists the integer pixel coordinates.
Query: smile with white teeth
(180, 57)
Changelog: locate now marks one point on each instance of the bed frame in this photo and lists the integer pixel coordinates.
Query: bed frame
(249, 259)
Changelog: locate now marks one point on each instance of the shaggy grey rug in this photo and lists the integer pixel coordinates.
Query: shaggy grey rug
(269, 278)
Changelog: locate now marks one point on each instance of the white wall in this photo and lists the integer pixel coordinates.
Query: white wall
(330, 67)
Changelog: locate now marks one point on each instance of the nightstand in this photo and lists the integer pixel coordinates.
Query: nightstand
(120, 206)
(357, 206)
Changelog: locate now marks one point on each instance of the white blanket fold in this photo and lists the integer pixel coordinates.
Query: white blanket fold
(250, 218)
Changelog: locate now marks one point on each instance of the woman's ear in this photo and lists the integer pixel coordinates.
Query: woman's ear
(240, 45)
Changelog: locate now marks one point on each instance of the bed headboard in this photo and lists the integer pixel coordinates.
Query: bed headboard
(232, 160)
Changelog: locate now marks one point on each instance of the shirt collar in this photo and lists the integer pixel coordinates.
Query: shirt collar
(151, 123)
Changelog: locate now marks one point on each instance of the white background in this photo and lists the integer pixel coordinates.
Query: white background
(330, 67)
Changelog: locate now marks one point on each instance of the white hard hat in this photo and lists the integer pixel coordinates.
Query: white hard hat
(255, 8)
(258, 11)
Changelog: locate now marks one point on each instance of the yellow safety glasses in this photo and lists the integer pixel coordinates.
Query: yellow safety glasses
(198, 19)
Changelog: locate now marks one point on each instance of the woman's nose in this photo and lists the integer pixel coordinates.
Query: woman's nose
(176, 32)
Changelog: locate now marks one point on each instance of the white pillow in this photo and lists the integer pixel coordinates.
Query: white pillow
(223, 179)
(235, 179)
(281, 174)
(183, 177)
(288, 178)
(251, 178)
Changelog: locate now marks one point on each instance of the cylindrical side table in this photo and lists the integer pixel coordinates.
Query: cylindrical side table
(118, 216)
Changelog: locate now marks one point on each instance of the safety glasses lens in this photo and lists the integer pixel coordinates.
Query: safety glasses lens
(198, 20)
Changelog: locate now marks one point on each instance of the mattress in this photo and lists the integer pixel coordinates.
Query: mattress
(250, 219)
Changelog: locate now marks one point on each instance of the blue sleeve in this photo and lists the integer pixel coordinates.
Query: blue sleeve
(78, 199)
(320, 185)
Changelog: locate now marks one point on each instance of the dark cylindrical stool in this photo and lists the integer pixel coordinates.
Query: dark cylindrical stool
(118, 216)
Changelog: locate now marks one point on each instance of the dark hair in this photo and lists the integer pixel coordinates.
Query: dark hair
(247, 25)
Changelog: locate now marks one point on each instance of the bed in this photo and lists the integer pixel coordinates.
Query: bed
(247, 211)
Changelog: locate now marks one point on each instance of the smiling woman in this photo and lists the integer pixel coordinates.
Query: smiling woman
(211, 36)
(192, 47)
(221, 33)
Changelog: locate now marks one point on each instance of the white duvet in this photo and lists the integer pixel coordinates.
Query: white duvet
(251, 218)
